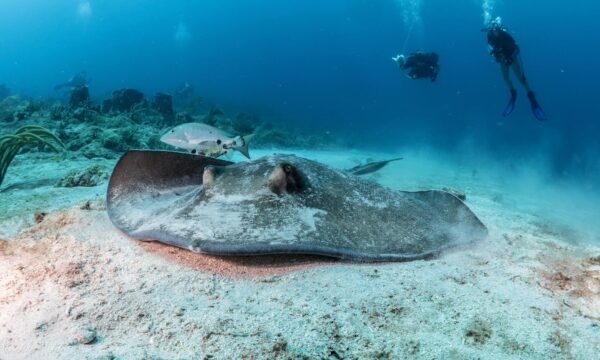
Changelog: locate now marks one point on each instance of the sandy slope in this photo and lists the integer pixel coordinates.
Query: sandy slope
(532, 290)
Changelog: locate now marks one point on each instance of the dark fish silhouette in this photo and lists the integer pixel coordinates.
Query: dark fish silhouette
(79, 79)
(370, 167)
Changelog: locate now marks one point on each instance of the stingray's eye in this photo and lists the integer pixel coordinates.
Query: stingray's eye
(234, 143)
(287, 169)
(219, 141)
(173, 130)
(193, 151)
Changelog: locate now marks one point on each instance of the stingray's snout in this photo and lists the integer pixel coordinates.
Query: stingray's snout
(285, 178)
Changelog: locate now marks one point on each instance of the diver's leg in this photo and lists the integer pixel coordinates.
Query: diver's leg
(506, 75)
(520, 74)
(513, 93)
(535, 106)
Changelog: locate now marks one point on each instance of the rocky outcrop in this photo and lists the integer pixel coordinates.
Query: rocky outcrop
(163, 104)
(80, 96)
(123, 100)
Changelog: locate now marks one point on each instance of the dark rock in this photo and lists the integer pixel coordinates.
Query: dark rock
(125, 99)
(128, 135)
(39, 216)
(96, 107)
(211, 117)
(57, 111)
(183, 117)
(112, 141)
(80, 96)
(78, 114)
(23, 109)
(244, 124)
(163, 103)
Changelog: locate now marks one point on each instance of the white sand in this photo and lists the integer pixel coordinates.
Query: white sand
(531, 290)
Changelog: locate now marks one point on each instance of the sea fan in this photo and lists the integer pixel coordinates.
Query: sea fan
(10, 145)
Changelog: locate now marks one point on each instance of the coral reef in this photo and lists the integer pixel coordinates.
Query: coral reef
(244, 123)
(127, 121)
(211, 117)
(163, 104)
(80, 96)
(123, 100)
(14, 108)
(91, 176)
(268, 135)
(10, 145)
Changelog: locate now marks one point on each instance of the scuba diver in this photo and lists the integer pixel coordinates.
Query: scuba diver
(79, 79)
(419, 65)
(504, 48)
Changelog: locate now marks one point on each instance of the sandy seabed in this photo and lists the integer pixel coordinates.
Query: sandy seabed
(73, 287)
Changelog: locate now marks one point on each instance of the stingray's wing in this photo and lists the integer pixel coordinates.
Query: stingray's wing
(143, 180)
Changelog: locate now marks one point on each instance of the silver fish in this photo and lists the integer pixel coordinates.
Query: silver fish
(205, 140)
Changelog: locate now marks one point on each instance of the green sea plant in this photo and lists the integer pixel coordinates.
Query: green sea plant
(10, 145)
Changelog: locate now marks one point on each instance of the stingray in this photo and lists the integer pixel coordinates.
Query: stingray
(280, 204)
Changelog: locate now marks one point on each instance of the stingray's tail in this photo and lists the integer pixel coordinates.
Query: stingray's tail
(394, 159)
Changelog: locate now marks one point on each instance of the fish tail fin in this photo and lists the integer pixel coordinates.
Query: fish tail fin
(243, 149)
(248, 137)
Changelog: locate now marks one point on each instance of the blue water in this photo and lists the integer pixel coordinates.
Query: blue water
(326, 66)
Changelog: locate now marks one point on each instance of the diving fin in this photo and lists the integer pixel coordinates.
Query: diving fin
(536, 108)
(511, 103)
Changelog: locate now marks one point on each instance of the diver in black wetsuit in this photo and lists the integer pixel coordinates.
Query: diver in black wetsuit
(507, 53)
(79, 79)
(419, 65)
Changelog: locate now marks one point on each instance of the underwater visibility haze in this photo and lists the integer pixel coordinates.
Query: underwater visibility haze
(264, 145)
(325, 65)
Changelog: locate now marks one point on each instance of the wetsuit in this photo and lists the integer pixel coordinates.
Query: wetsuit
(422, 65)
(506, 51)
(504, 46)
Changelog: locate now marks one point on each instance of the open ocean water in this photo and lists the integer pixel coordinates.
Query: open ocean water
(326, 65)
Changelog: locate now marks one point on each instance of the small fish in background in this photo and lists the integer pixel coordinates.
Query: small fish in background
(370, 167)
(206, 140)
